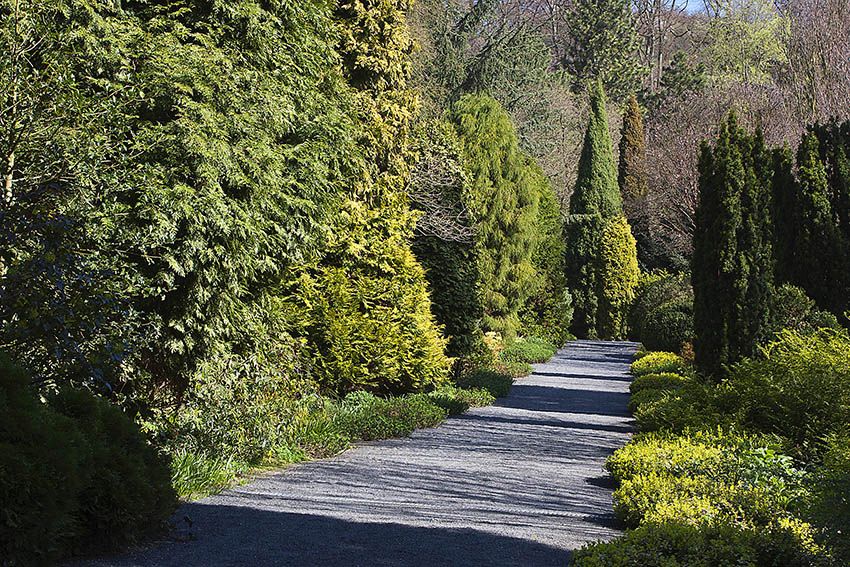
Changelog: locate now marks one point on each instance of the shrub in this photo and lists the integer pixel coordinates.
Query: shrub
(655, 290)
(42, 470)
(458, 400)
(656, 362)
(799, 388)
(76, 474)
(497, 383)
(692, 406)
(128, 492)
(644, 397)
(530, 350)
(719, 475)
(673, 544)
(669, 327)
(829, 508)
(791, 308)
(660, 381)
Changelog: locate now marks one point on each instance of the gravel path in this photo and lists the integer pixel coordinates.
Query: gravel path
(519, 483)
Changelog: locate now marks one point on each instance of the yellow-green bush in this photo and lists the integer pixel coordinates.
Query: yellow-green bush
(528, 349)
(644, 397)
(656, 362)
(694, 406)
(673, 544)
(658, 381)
(618, 277)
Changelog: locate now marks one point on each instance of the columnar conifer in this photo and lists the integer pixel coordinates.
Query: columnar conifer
(732, 270)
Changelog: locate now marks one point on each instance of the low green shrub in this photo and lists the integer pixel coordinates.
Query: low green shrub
(658, 381)
(493, 381)
(42, 471)
(673, 544)
(656, 362)
(75, 474)
(128, 493)
(693, 406)
(654, 291)
(792, 309)
(706, 476)
(798, 388)
(365, 417)
(644, 397)
(669, 327)
(529, 350)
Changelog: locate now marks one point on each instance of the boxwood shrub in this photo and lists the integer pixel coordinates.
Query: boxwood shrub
(659, 381)
(656, 362)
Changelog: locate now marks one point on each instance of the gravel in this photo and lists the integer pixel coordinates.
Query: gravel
(518, 483)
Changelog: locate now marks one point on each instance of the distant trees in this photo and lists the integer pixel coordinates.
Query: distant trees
(600, 248)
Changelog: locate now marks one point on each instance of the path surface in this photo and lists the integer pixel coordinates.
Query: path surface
(519, 483)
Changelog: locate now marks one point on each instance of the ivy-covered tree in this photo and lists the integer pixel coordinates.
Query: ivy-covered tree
(732, 271)
(503, 199)
(603, 45)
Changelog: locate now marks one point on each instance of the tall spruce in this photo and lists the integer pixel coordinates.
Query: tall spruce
(732, 272)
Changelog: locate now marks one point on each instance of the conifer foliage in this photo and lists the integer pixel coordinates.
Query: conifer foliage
(812, 234)
(732, 272)
(599, 241)
(503, 200)
(632, 171)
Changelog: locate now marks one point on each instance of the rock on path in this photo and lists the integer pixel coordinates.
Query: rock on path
(518, 483)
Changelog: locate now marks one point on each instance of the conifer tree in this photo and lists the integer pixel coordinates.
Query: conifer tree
(632, 171)
(812, 252)
(604, 43)
(596, 189)
(594, 202)
(732, 272)
(502, 199)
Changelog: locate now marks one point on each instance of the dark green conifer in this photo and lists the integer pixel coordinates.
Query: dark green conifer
(732, 270)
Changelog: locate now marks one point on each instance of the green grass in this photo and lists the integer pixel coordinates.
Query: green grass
(316, 427)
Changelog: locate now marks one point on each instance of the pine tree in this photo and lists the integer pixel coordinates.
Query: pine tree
(732, 270)
(604, 43)
(632, 171)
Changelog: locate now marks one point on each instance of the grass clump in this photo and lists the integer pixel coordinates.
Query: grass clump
(497, 383)
(528, 350)
(656, 362)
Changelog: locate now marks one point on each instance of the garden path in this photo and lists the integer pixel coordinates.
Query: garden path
(517, 483)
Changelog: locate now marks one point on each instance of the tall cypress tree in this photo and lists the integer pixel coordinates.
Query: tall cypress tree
(812, 251)
(732, 271)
